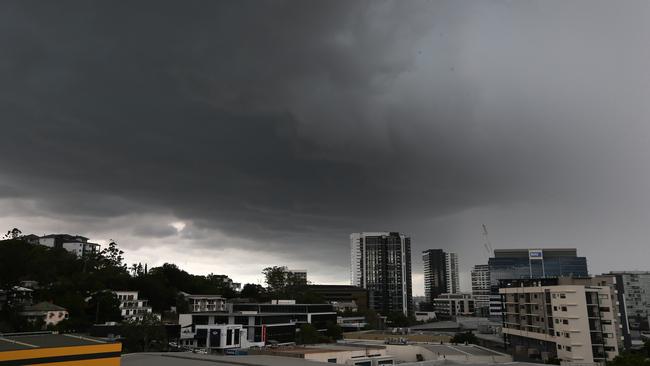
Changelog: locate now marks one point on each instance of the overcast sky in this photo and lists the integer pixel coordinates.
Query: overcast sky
(228, 136)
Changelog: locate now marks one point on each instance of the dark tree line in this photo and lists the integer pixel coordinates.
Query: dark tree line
(82, 285)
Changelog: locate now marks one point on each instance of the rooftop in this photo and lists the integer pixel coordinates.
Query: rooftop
(44, 306)
(321, 348)
(24, 341)
(192, 359)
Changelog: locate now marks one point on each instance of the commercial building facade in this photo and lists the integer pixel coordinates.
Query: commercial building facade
(511, 264)
(260, 323)
(448, 306)
(440, 273)
(572, 319)
(381, 263)
(342, 294)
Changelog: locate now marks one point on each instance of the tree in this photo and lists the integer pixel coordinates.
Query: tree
(398, 319)
(112, 255)
(308, 335)
(253, 291)
(629, 359)
(334, 331)
(467, 337)
(553, 361)
(14, 233)
(144, 335)
(103, 306)
(373, 319)
(276, 280)
(281, 283)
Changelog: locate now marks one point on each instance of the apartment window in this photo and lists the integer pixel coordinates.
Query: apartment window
(555, 308)
(568, 348)
(567, 335)
(564, 308)
(559, 346)
(565, 321)
(562, 296)
(331, 360)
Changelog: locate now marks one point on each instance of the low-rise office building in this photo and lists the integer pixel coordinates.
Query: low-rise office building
(425, 316)
(574, 320)
(351, 323)
(262, 323)
(131, 306)
(342, 294)
(451, 305)
(203, 303)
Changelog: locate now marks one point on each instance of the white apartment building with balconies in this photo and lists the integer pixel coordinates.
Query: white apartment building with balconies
(204, 303)
(574, 320)
(131, 306)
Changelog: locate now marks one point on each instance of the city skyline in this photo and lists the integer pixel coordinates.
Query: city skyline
(203, 134)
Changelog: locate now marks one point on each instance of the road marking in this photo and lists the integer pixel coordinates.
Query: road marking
(17, 342)
(84, 338)
(459, 350)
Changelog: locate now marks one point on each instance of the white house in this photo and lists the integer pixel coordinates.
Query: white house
(50, 314)
(132, 307)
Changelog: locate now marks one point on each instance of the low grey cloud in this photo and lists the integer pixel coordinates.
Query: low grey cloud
(281, 126)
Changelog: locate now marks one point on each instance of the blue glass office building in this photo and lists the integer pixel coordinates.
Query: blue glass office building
(512, 264)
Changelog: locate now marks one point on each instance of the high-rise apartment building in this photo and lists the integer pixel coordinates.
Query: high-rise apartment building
(511, 264)
(575, 320)
(636, 287)
(440, 273)
(481, 289)
(381, 263)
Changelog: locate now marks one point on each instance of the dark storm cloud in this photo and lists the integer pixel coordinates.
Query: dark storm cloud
(294, 121)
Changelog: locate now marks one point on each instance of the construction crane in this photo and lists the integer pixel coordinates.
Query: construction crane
(486, 242)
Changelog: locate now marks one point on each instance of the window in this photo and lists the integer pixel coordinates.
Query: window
(331, 360)
(562, 296)
(565, 321)
(564, 308)
(568, 348)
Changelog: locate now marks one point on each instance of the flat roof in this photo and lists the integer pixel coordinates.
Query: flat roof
(16, 342)
(193, 359)
(253, 313)
(321, 348)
